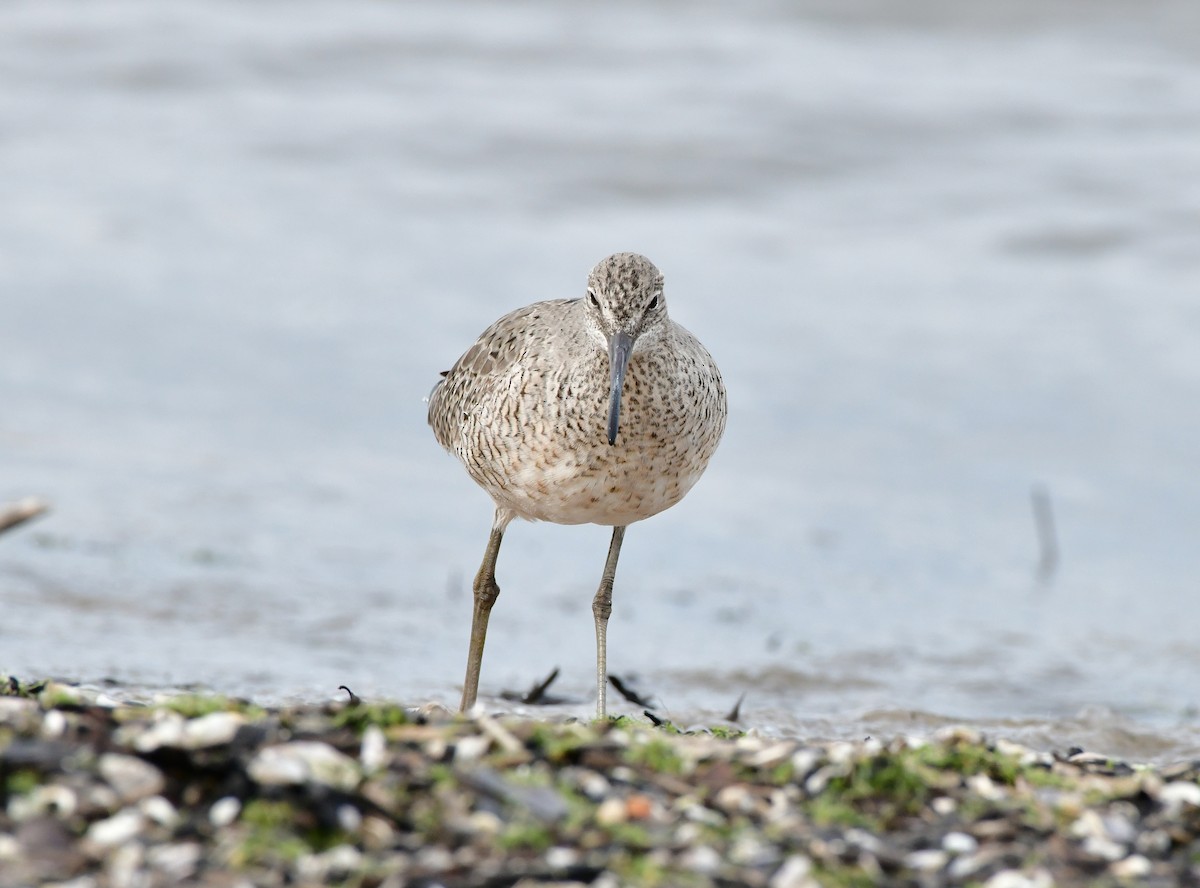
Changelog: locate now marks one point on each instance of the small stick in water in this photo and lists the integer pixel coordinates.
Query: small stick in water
(536, 695)
(629, 693)
(735, 714)
(354, 700)
(538, 691)
(1047, 533)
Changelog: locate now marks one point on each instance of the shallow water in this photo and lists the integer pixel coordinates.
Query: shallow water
(941, 256)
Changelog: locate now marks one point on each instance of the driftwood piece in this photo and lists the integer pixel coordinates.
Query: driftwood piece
(19, 512)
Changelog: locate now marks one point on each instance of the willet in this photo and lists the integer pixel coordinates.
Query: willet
(599, 410)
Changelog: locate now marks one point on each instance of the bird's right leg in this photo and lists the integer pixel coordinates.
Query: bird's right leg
(486, 593)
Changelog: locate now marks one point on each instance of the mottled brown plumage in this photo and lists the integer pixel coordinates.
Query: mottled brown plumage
(597, 410)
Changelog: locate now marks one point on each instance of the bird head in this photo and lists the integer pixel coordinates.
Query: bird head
(626, 310)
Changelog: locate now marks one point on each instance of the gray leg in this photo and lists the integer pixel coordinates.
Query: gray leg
(486, 593)
(601, 608)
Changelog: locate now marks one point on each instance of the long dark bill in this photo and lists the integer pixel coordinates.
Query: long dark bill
(619, 347)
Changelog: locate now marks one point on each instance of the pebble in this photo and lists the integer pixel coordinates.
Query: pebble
(734, 799)
(159, 810)
(1088, 825)
(19, 711)
(46, 840)
(98, 798)
(54, 800)
(958, 734)
(214, 729)
(927, 860)
(816, 782)
(688, 834)
(131, 777)
(1154, 842)
(333, 865)
(959, 843)
(804, 761)
(749, 744)
(841, 752)
(796, 872)
(781, 806)
(543, 802)
(749, 850)
(1135, 866)
(1104, 848)
(1022, 754)
(1088, 758)
(115, 830)
(560, 857)
(986, 788)
(593, 785)
(304, 761)
(124, 862)
(373, 752)
(224, 811)
(1018, 879)
(863, 840)
(471, 749)
(378, 834)
(177, 861)
(486, 823)
(165, 731)
(1178, 794)
(434, 858)
(702, 859)
(56, 694)
(611, 811)
(962, 868)
(944, 806)
(1119, 823)
(640, 807)
(772, 755)
(54, 725)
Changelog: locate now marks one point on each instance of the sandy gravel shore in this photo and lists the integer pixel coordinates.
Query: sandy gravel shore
(206, 791)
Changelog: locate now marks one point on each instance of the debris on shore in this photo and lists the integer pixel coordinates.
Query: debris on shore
(209, 791)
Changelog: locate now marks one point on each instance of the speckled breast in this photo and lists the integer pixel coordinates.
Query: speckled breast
(554, 462)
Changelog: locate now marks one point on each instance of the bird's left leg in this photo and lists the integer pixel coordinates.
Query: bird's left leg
(601, 608)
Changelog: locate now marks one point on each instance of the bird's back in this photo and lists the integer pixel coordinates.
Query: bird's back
(479, 378)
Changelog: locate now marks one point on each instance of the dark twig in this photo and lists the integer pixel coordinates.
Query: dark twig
(735, 714)
(654, 719)
(20, 512)
(354, 700)
(628, 693)
(538, 691)
(1047, 533)
(536, 695)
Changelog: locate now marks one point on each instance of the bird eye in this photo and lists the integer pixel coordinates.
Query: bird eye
(593, 301)
(653, 303)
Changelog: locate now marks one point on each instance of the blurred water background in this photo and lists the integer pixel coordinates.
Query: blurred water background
(944, 253)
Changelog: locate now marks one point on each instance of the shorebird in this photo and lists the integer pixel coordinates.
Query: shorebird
(597, 410)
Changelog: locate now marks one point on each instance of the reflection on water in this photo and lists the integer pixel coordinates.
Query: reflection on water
(943, 258)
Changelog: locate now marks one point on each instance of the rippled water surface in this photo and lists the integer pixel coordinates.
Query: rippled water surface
(942, 257)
